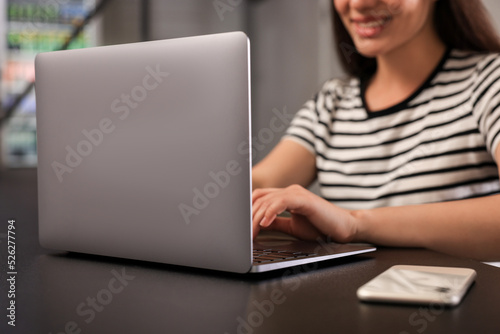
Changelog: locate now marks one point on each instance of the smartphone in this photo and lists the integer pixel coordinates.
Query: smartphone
(419, 285)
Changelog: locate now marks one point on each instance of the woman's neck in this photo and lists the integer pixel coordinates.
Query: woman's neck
(402, 71)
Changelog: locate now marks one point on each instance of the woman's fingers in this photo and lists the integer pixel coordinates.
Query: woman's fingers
(266, 206)
(297, 226)
(269, 203)
(312, 216)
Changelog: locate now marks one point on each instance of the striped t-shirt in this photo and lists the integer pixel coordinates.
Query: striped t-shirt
(437, 145)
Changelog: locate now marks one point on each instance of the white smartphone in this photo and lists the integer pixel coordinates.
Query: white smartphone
(419, 285)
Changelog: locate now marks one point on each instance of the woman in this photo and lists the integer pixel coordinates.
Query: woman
(404, 150)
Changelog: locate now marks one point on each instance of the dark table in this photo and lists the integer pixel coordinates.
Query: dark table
(60, 292)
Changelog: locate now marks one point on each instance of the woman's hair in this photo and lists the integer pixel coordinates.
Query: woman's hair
(460, 24)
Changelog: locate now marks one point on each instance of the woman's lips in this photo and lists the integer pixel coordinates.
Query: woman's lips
(370, 27)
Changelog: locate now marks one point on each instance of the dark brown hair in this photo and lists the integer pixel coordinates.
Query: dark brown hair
(460, 24)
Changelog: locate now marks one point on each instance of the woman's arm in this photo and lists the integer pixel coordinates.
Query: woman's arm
(468, 228)
(288, 163)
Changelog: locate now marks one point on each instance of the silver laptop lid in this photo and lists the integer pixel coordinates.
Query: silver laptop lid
(144, 151)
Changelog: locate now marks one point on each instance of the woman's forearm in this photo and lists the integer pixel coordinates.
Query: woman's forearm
(469, 228)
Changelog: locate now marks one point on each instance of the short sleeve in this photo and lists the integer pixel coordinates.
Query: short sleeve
(486, 101)
(301, 129)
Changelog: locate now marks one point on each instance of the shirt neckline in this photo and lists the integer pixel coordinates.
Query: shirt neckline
(403, 104)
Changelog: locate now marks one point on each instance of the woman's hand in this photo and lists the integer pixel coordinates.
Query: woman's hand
(312, 216)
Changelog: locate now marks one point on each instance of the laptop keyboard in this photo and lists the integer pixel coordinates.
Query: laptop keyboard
(261, 256)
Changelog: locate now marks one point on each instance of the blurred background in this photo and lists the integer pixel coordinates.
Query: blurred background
(291, 49)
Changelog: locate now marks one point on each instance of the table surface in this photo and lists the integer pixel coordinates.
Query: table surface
(60, 292)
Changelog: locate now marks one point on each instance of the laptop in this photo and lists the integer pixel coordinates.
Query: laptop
(144, 152)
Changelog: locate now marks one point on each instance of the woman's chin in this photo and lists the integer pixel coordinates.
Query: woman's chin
(371, 48)
(369, 52)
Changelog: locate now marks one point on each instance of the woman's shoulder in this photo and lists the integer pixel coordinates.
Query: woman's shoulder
(341, 87)
(479, 61)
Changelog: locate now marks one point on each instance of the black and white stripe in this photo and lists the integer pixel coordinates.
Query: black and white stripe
(437, 145)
